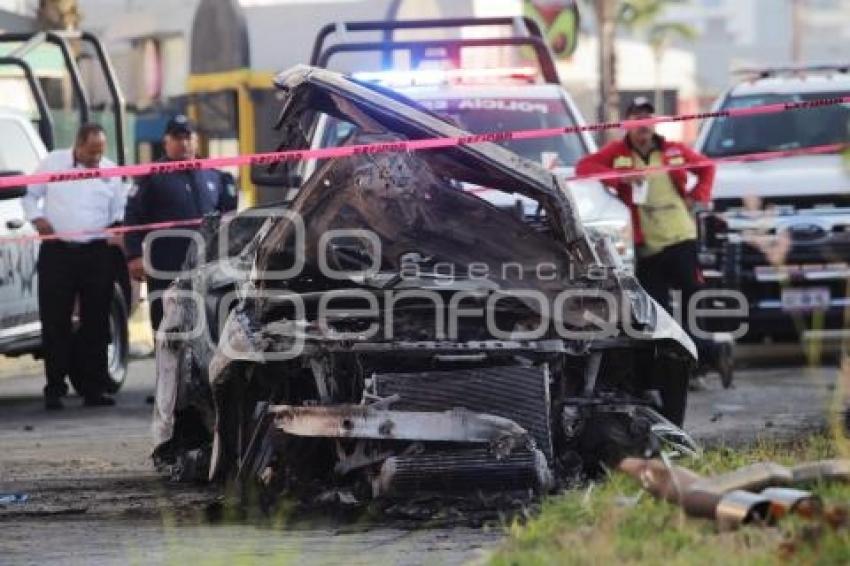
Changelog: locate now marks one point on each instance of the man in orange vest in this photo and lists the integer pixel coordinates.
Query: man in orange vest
(662, 207)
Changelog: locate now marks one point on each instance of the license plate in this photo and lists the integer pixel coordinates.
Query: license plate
(802, 300)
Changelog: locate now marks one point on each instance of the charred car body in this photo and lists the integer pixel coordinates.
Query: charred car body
(392, 332)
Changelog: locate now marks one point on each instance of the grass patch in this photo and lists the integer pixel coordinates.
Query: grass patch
(616, 522)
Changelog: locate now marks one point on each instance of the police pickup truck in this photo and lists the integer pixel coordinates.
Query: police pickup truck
(780, 229)
(24, 142)
(20, 330)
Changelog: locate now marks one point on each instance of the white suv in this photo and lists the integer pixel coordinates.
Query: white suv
(780, 232)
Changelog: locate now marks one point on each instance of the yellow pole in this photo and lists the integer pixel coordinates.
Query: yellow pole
(241, 81)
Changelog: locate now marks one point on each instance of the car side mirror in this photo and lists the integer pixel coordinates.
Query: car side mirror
(8, 193)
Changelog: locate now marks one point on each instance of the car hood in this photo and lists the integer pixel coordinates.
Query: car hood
(594, 201)
(806, 175)
(501, 169)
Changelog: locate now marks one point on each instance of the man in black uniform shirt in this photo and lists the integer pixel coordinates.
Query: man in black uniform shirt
(183, 195)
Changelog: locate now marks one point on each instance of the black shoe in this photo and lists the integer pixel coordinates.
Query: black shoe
(98, 401)
(53, 403)
(164, 458)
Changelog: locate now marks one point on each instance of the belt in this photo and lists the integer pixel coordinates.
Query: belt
(76, 245)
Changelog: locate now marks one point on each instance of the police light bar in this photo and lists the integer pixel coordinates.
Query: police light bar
(435, 77)
(765, 72)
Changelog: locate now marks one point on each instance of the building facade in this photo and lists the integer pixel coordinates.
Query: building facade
(758, 33)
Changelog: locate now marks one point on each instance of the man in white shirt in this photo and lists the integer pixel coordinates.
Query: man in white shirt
(75, 263)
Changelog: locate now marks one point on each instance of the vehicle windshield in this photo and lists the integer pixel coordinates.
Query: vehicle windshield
(811, 127)
(480, 115)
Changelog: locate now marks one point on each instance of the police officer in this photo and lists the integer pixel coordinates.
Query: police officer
(182, 195)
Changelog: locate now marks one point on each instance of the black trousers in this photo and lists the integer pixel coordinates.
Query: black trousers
(67, 271)
(155, 289)
(676, 268)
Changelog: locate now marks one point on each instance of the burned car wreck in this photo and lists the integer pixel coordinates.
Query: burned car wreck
(389, 331)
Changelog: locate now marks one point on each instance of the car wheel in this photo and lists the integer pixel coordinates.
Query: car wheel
(118, 349)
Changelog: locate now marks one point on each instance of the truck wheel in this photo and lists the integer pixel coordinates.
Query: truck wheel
(118, 349)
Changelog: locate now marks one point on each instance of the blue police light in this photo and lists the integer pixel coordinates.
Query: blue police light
(435, 77)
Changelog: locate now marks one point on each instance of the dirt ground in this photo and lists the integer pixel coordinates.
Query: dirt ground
(92, 497)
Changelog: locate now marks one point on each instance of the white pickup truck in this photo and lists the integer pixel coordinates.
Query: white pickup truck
(27, 132)
(21, 149)
(780, 231)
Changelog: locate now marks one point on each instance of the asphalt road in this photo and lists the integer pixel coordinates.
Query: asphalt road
(93, 498)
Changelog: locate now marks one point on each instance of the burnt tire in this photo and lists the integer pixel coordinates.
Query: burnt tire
(118, 348)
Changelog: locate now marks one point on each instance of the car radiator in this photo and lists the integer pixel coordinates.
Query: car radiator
(462, 471)
(518, 393)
